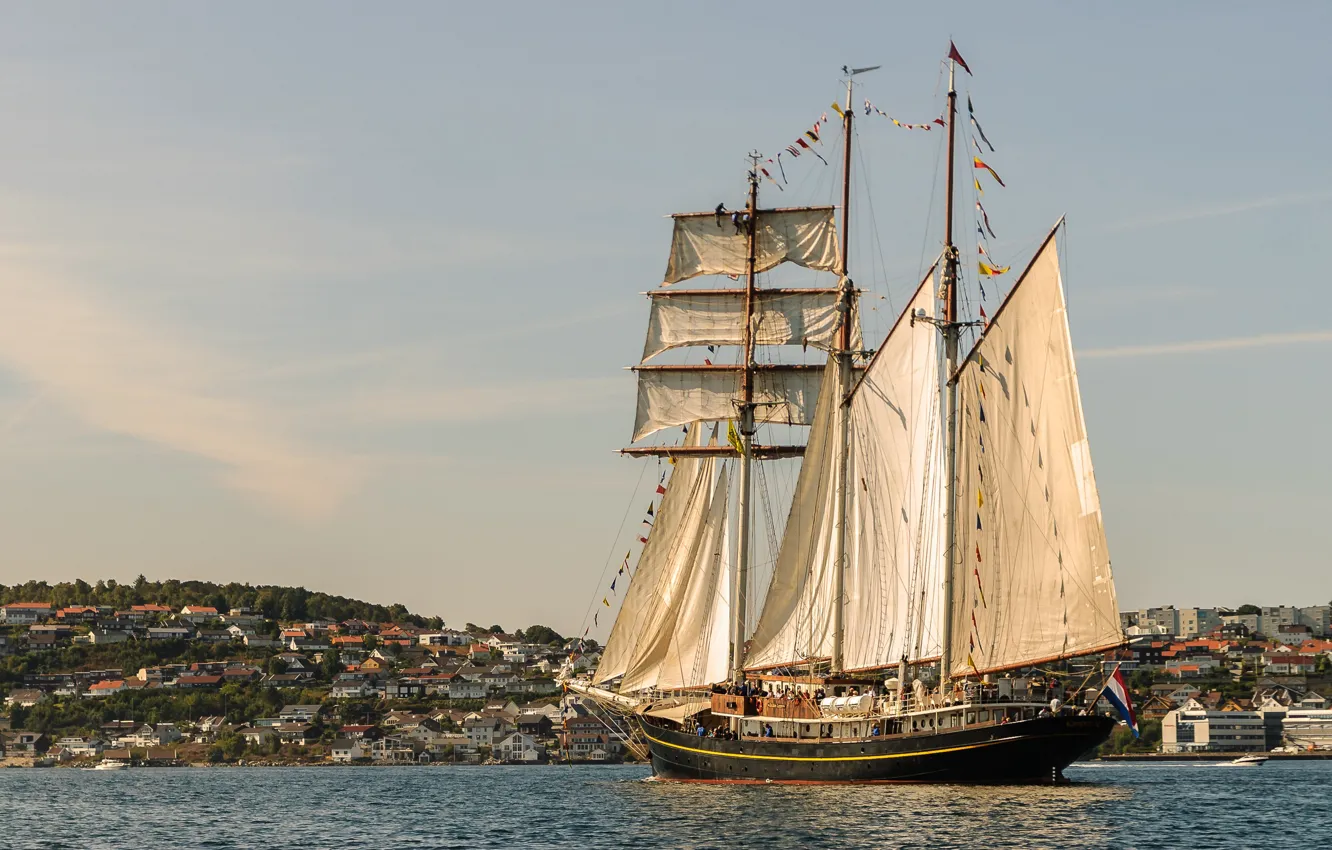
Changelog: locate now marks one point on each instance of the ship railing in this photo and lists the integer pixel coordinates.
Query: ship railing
(892, 705)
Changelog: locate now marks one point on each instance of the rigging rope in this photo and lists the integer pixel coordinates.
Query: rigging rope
(615, 543)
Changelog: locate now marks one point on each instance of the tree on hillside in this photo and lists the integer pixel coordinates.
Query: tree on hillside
(272, 601)
(331, 665)
(544, 635)
(1248, 609)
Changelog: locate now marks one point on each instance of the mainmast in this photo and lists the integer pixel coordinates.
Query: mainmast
(744, 521)
(950, 331)
(843, 355)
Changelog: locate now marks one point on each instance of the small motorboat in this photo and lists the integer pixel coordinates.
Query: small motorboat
(1247, 761)
(110, 765)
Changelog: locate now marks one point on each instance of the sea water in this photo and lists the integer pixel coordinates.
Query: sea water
(1281, 804)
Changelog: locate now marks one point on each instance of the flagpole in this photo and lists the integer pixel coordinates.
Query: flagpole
(950, 332)
(740, 597)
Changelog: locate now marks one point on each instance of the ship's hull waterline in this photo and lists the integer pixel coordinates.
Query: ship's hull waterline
(1027, 751)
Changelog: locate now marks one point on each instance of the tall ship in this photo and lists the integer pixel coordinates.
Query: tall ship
(943, 551)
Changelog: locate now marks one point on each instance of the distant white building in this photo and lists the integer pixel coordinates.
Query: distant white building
(1197, 621)
(1194, 729)
(1308, 723)
(25, 613)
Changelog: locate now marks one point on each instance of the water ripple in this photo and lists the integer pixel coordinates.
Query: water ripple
(1121, 806)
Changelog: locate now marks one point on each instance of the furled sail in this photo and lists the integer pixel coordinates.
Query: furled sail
(670, 397)
(717, 317)
(697, 651)
(895, 518)
(708, 243)
(642, 630)
(1031, 576)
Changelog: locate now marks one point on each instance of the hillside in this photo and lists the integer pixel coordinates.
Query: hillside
(274, 602)
(221, 672)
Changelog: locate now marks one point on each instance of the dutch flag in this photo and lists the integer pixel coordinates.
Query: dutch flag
(1116, 690)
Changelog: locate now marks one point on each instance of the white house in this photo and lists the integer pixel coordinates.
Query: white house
(485, 731)
(105, 636)
(519, 748)
(80, 746)
(347, 750)
(170, 633)
(154, 736)
(26, 697)
(257, 735)
(300, 713)
(463, 689)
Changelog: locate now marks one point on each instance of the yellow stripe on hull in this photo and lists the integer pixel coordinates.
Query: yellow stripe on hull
(716, 754)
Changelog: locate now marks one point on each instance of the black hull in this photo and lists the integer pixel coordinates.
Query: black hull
(1026, 751)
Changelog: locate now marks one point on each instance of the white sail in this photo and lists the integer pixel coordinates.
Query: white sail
(1031, 574)
(697, 651)
(895, 532)
(642, 629)
(781, 317)
(673, 397)
(897, 525)
(704, 243)
(796, 621)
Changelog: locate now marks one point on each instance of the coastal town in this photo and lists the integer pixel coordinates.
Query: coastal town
(1216, 680)
(162, 684)
(212, 685)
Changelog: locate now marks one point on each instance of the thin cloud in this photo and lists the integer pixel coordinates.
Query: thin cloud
(413, 405)
(1224, 209)
(120, 374)
(1201, 346)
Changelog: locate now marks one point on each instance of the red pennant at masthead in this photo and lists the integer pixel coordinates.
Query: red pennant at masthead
(957, 57)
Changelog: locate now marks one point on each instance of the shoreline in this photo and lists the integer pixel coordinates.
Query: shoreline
(1323, 755)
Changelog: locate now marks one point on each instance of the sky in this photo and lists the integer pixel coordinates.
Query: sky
(340, 296)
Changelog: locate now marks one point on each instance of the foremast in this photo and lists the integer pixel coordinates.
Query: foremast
(744, 513)
(749, 393)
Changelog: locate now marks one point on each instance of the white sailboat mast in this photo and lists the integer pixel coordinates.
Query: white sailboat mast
(843, 355)
(951, 330)
(744, 512)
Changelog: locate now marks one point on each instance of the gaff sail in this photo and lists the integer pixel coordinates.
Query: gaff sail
(1031, 575)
